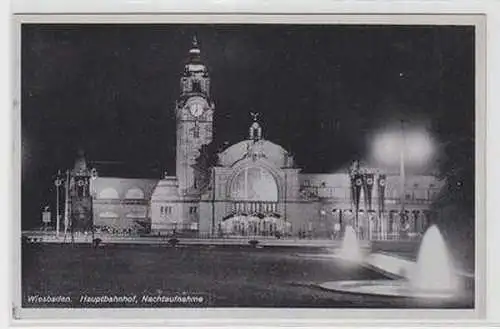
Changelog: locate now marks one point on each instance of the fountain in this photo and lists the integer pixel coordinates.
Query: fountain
(433, 270)
(350, 249)
(431, 277)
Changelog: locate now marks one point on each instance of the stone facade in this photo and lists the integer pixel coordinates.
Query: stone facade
(254, 188)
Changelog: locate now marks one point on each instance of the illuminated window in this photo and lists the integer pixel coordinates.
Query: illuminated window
(134, 193)
(254, 184)
(108, 214)
(108, 193)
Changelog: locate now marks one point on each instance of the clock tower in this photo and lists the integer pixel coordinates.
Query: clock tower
(194, 113)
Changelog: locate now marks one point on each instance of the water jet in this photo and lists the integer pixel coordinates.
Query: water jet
(432, 276)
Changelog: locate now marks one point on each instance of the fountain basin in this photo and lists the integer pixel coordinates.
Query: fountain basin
(387, 288)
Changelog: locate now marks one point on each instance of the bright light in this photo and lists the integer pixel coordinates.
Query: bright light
(386, 148)
(418, 147)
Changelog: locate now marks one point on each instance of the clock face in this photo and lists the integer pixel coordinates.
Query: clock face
(196, 109)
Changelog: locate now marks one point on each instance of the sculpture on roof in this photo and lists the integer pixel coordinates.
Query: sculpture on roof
(255, 128)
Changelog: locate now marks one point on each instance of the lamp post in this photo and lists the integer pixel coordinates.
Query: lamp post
(58, 183)
(402, 174)
(213, 202)
(93, 176)
(403, 147)
(66, 204)
(322, 222)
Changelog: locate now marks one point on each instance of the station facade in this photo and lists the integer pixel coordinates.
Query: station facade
(254, 188)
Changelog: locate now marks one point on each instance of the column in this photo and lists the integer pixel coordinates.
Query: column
(383, 226)
(417, 226)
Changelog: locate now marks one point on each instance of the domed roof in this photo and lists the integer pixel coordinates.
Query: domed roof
(272, 152)
(166, 189)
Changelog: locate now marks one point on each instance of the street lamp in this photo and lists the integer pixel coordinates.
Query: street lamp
(58, 182)
(402, 174)
(93, 177)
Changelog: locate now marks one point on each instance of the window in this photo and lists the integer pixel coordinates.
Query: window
(108, 193)
(254, 184)
(196, 132)
(164, 210)
(193, 210)
(134, 193)
(196, 86)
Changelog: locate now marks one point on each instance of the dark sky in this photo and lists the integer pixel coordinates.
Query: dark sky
(323, 91)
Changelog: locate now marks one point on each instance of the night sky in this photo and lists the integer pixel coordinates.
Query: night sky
(322, 91)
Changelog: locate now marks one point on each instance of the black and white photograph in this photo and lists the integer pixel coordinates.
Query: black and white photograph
(238, 165)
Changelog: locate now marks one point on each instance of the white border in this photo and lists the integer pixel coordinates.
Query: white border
(365, 7)
(253, 6)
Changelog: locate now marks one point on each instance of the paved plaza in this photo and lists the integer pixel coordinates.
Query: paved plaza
(224, 276)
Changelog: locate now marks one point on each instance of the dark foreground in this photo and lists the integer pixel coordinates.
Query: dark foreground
(202, 276)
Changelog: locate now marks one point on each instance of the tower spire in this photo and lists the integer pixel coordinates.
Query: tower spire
(195, 49)
(195, 77)
(80, 161)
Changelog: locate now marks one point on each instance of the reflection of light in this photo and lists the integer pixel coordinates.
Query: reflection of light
(417, 146)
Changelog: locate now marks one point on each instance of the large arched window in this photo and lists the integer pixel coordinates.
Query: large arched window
(134, 193)
(254, 184)
(108, 193)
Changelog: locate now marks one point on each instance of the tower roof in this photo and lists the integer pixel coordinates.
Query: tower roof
(194, 64)
(195, 49)
(80, 162)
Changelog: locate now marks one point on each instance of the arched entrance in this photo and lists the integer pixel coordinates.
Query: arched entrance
(241, 224)
(254, 210)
